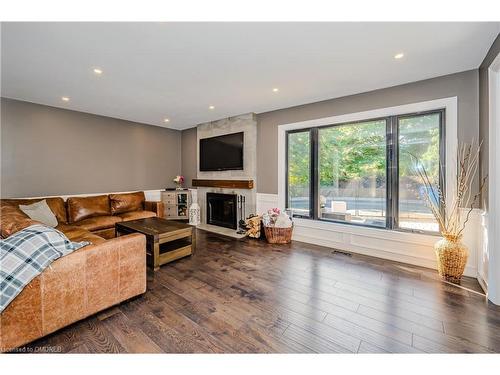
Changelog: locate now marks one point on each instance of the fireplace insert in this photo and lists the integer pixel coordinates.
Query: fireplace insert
(222, 210)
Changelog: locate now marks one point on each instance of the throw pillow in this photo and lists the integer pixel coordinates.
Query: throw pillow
(40, 211)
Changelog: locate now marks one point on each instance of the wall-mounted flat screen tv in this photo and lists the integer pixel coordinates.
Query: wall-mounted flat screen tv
(221, 153)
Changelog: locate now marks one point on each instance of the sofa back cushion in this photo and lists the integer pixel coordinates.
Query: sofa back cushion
(127, 202)
(56, 205)
(12, 220)
(80, 208)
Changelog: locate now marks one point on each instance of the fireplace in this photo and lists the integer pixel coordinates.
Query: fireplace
(221, 210)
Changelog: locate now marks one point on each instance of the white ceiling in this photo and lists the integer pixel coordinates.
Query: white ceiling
(177, 70)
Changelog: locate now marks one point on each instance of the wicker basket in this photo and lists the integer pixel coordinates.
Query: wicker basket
(451, 259)
(278, 235)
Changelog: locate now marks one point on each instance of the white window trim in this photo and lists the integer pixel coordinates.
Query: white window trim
(451, 138)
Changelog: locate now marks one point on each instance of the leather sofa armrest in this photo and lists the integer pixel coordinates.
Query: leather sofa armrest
(155, 206)
(74, 287)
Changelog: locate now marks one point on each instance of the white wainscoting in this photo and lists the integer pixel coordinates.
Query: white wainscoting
(151, 195)
(266, 202)
(411, 248)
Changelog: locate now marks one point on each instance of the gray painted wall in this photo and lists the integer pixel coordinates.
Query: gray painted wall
(463, 85)
(189, 144)
(484, 111)
(85, 153)
(51, 151)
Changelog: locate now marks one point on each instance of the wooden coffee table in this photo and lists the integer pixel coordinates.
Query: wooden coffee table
(166, 240)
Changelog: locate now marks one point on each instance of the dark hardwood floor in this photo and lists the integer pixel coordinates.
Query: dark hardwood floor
(251, 297)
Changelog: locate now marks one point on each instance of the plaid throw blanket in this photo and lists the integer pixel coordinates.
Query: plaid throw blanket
(26, 254)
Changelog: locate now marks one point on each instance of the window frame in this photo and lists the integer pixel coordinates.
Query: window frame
(311, 170)
(442, 164)
(392, 168)
(317, 175)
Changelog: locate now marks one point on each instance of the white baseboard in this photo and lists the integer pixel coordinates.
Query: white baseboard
(411, 248)
(482, 283)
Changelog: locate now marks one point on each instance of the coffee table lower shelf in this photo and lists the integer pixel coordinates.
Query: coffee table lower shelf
(169, 251)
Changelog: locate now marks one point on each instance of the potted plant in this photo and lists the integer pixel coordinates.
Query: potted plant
(453, 214)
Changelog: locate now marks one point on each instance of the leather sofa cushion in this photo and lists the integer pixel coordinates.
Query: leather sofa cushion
(136, 215)
(98, 222)
(107, 234)
(87, 236)
(56, 205)
(80, 208)
(12, 220)
(71, 231)
(77, 234)
(126, 202)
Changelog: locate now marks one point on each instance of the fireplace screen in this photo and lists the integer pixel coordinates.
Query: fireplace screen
(221, 210)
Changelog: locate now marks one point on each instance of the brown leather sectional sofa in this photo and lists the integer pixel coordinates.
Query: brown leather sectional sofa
(91, 279)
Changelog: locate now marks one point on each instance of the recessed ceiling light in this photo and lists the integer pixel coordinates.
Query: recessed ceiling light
(276, 89)
(211, 107)
(399, 55)
(166, 120)
(65, 99)
(98, 71)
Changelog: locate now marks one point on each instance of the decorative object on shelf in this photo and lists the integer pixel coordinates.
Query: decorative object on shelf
(278, 226)
(451, 253)
(179, 180)
(194, 209)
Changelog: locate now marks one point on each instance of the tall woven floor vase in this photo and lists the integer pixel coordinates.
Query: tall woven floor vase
(451, 255)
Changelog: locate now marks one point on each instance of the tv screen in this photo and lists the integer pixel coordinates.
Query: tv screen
(221, 153)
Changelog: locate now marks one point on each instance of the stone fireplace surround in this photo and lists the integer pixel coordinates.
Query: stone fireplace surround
(248, 124)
